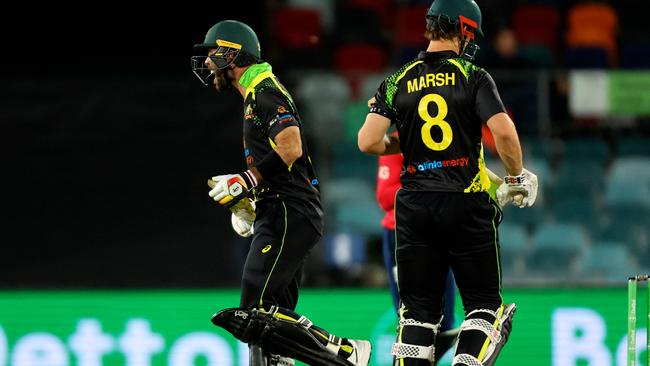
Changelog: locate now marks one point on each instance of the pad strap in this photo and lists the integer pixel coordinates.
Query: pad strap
(466, 359)
(484, 326)
(403, 350)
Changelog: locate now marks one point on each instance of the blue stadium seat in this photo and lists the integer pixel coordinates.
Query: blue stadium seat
(557, 246)
(577, 178)
(610, 261)
(630, 169)
(578, 210)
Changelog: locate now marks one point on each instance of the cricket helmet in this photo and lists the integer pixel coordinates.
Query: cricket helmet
(235, 42)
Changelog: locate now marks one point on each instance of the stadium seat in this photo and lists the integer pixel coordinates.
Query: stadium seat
(633, 233)
(577, 179)
(409, 26)
(632, 194)
(536, 24)
(578, 210)
(557, 246)
(630, 170)
(297, 28)
(628, 207)
(609, 261)
(593, 25)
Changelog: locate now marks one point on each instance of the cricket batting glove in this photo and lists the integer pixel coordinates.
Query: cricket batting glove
(520, 189)
(229, 189)
(243, 217)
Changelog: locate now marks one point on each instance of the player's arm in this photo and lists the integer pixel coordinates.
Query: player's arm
(288, 149)
(283, 129)
(372, 138)
(507, 142)
(520, 185)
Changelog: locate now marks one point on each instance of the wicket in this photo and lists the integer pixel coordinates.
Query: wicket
(631, 318)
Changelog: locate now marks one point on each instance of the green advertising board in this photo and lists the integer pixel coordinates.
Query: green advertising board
(559, 327)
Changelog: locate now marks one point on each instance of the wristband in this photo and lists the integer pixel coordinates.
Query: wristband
(271, 165)
(249, 179)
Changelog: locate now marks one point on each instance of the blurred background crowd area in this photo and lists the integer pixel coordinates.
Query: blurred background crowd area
(107, 140)
(590, 223)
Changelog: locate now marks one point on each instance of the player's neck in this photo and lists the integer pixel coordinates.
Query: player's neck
(443, 45)
(238, 72)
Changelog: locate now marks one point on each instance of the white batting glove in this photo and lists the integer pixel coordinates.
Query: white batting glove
(521, 190)
(241, 227)
(229, 189)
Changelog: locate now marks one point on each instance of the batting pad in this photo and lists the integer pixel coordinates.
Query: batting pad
(276, 336)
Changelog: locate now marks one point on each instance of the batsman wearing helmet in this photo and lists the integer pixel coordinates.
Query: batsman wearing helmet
(445, 217)
(277, 201)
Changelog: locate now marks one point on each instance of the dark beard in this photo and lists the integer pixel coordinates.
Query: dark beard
(222, 81)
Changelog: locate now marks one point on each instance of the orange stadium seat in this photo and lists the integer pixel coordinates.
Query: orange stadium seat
(593, 25)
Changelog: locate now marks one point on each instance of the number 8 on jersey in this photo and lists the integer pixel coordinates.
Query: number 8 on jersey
(438, 120)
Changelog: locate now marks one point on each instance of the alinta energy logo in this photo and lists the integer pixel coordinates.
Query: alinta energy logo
(438, 164)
